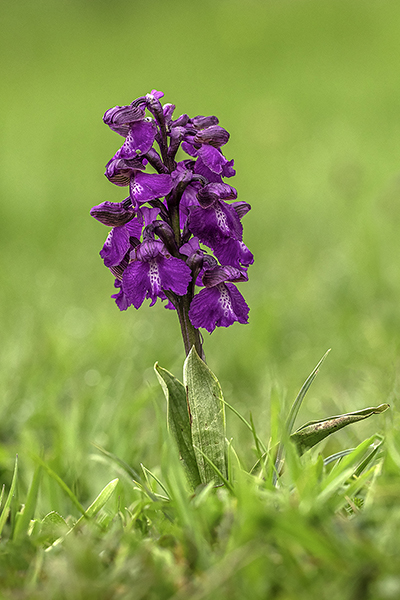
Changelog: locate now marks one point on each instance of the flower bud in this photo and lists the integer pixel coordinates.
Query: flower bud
(201, 122)
(168, 110)
(219, 274)
(155, 160)
(181, 121)
(214, 136)
(119, 170)
(215, 191)
(113, 214)
(166, 234)
(242, 208)
(119, 118)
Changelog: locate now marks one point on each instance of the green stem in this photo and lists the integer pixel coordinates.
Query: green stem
(191, 335)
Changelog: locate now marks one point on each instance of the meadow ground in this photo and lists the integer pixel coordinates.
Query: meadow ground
(310, 93)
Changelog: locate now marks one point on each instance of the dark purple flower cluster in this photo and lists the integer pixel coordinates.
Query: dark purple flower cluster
(175, 210)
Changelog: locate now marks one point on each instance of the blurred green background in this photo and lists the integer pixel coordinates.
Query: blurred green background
(310, 92)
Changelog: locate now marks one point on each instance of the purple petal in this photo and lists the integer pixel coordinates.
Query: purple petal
(169, 305)
(189, 149)
(147, 279)
(149, 249)
(189, 198)
(134, 228)
(175, 274)
(145, 186)
(216, 224)
(140, 137)
(155, 94)
(209, 262)
(147, 215)
(219, 306)
(228, 170)
(201, 169)
(168, 110)
(118, 270)
(233, 252)
(136, 282)
(212, 158)
(120, 299)
(190, 247)
(115, 246)
(181, 121)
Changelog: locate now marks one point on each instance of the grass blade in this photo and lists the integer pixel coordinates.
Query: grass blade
(99, 501)
(162, 486)
(248, 425)
(337, 456)
(293, 414)
(300, 396)
(215, 469)
(24, 518)
(6, 509)
(62, 484)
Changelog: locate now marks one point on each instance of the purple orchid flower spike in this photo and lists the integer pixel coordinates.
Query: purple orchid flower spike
(176, 214)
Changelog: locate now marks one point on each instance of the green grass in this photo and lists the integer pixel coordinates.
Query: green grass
(310, 93)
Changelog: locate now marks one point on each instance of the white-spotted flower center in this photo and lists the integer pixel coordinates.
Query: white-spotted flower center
(221, 220)
(154, 276)
(225, 300)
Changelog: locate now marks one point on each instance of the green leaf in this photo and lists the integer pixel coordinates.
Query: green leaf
(54, 519)
(314, 431)
(179, 422)
(147, 471)
(337, 456)
(90, 512)
(100, 501)
(207, 415)
(24, 518)
(52, 526)
(6, 509)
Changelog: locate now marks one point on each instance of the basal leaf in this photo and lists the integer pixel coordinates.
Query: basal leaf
(179, 422)
(205, 400)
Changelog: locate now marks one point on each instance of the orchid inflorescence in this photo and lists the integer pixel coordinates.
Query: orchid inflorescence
(160, 232)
